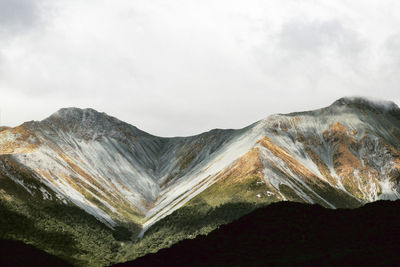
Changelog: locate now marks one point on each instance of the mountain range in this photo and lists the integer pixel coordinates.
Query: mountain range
(135, 183)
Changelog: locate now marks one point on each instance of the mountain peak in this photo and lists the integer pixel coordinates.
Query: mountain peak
(74, 113)
(367, 103)
(90, 122)
(87, 118)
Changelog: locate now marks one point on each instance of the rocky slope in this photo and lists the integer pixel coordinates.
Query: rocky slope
(341, 156)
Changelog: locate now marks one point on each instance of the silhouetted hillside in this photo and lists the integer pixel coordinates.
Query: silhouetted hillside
(15, 254)
(293, 234)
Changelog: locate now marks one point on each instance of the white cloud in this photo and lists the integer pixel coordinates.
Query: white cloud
(17, 14)
(183, 67)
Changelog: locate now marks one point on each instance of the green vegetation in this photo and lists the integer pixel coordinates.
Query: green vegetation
(245, 191)
(219, 204)
(121, 233)
(187, 222)
(289, 193)
(72, 234)
(65, 231)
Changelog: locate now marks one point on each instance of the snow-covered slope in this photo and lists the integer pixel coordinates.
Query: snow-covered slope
(342, 155)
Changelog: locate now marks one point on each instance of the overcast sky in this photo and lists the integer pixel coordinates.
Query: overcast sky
(183, 67)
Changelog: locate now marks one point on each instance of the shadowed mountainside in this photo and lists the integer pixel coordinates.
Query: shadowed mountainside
(16, 254)
(288, 233)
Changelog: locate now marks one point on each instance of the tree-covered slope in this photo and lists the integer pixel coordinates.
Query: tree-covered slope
(60, 229)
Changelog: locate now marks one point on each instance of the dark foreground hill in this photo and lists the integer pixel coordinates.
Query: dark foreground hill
(15, 254)
(294, 234)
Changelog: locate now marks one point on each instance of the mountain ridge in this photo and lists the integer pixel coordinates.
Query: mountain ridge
(88, 124)
(351, 101)
(344, 155)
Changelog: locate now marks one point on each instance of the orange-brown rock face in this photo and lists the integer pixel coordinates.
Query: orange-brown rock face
(341, 156)
(243, 181)
(17, 140)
